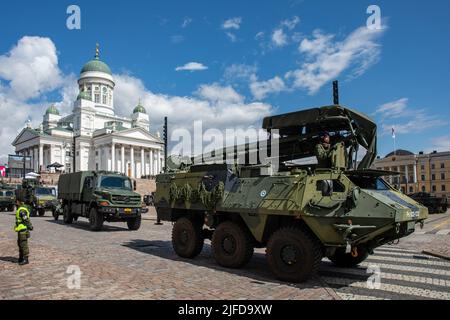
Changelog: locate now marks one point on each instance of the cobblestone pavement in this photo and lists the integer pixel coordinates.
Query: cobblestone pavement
(120, 264)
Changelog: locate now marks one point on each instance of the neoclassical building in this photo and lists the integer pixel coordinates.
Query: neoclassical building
(103, 140)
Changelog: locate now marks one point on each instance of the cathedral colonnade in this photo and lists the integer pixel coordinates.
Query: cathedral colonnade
(133, 161)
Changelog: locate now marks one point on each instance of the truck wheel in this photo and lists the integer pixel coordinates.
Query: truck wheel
(33, 212)
(67, 215)
(95, 220)
(134, 223)
(293, 255)
(346, 260)
(187, 238)
(232, 245)
(41, 212)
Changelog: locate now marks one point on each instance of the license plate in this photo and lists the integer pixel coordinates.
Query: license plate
(127, 210)
(411, 225)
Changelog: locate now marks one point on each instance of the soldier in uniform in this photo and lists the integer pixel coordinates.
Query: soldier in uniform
(23, 227)
(323, 151)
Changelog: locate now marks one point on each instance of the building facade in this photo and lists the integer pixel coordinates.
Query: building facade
(93, 137)
(418, 172)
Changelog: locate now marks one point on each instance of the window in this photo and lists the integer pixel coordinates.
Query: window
(422, 167)
(422, 177)
(433, 177)
(433, 188)
(433, 166)
(423, 188)
(442, 176)
(443, 187)
(442, 165)
(96, 153)
(411, 189)
(104, 99)
(115, 183)
(96, 167)
(97, 98)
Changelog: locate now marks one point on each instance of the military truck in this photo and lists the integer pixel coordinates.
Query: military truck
(7, 199)
(99, 196)
(38, 197)
(433, 203)
(298, 212)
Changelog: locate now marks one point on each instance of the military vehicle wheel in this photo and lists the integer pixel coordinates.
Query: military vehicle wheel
(33, 213)
(95, 220)
(346, 260)
(187, 238)
(293, 255)
(134, 223)
(232, 245)
(67, 215)
(41, 212)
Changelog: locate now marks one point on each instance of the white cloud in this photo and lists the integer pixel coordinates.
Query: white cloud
(239, 72)
(260, 89)
(233, 23)
(186, 22)
(279, 38)
(440, 144)
(259, 35)
(231, 36)
(31, 68)
(290, 23)
(217, 106)
(328, 59)
(392, 109)
(405, 120)
(192, 66)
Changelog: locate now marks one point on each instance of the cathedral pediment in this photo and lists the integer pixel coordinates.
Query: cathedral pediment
(25, 135)
(137, 133)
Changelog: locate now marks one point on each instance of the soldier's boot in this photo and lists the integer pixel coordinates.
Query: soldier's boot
(20, 258)
(24, 261)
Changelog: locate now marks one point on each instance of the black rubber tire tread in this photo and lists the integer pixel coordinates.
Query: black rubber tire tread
(244, 245)
(67, 215)
(195, 238)
(95, 219)
(309, 246)
(134, 223)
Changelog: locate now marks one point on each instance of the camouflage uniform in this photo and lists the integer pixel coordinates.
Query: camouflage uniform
(323, 156)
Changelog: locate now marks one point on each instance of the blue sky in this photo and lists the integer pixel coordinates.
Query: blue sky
(402, 79)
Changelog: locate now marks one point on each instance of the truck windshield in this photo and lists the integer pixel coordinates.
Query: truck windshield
(44, 192)
(371, 183)
(115, 183)
(9, 193)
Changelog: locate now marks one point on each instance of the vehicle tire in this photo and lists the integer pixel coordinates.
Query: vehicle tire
(67, 215)
(187, 238)
(41, 212)
(134, 223)
(33, 213)
(293, 254)
(346, 260)
(11, 208)
(232, 245)
(95, 220)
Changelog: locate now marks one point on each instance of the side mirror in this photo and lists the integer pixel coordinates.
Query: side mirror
(134, 185)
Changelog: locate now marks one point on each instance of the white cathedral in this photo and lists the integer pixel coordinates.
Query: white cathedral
(103, 140)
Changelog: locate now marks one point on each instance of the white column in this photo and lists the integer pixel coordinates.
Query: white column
(41, 156)
(132, 161)
(122, 159)
(406, 174)
(151, 163)
(113, 157)
(159, 161)
(142, 162)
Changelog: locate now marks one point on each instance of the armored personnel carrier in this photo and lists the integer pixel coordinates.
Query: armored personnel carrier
(300, 212)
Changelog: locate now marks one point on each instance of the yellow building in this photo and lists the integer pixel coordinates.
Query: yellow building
(418, 172)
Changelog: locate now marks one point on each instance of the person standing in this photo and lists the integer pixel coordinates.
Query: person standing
(23, 227)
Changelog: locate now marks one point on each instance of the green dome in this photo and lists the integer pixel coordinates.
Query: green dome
(52, 110)
(83, 95)
(96, 65)
(139, 108)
